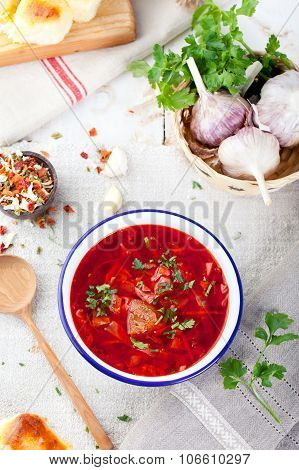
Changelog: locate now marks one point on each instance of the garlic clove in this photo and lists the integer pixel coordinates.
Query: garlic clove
(215, 116)
(250, 153)
(278, 108)
(251, 72)
(8, 239)
(112, 201)
(117, 164)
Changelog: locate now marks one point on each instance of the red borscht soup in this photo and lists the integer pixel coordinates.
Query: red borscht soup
(149, 300)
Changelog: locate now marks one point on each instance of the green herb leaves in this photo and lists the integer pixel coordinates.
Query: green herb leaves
(274, 322)
(248, 7)
(170, 262)
(219, 50)
(264, 372)
(99, 298)
(139, 344)
(138, 265)
(233, 371)
(124, 418)
(196, 185)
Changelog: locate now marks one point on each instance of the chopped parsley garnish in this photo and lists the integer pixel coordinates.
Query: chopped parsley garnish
(163, 287)
(124, 418)
(159, 319)
(87, 429)
(138, 265)
(21, 364)
(188, 285)
(97, 390)
(234, 371)
(169, 314)
(170, 262)
(99, 298)
(185, 325)
(139, 344)
(196, 185)
(58, 391)
(209, 288)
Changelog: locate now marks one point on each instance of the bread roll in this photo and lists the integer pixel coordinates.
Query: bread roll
(41, 22)
(84, 10)
(28, 432)
(7, 9)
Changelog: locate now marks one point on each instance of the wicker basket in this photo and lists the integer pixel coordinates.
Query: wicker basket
(206, 162)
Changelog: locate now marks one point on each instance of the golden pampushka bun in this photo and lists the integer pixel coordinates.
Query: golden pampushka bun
(41, 22)
(7, 9)
(28, 432)
(84, 11)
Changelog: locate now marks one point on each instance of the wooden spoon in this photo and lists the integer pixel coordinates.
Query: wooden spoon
(17, 290)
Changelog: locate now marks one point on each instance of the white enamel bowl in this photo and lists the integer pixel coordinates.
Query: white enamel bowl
(158, 217)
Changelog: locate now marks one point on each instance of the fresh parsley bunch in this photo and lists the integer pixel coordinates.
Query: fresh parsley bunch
(234, 371)
(217, 45)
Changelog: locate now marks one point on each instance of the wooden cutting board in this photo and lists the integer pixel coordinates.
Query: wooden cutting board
(114, 25)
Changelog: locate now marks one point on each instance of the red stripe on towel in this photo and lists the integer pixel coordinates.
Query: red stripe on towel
(73, 75)
(66, 79)
(46, 64)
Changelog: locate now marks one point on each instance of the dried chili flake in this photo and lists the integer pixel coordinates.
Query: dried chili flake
(99, 169)
(3, 230)
(4, 247)
(50, 221)
(41, 221)
(84, 155)
(93, 132)
(105, 154)
(51, 209)
(68, 209)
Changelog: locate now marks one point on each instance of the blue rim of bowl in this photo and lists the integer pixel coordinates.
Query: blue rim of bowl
(115, 375)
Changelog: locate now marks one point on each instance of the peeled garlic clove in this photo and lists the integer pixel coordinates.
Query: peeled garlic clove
(278, 107)
(215, 116)
(251, 152)
(251, 73)
(117, 164)
(112, 201)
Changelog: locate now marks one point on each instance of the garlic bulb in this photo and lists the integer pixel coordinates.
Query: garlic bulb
(117, 164)
(215, 116)
(251, 152)
(278, 108)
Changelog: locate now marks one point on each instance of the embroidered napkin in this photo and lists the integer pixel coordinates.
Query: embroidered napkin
(200, 414)
(34, 93)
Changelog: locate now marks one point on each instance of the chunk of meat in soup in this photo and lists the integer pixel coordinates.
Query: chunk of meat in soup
(141, 317)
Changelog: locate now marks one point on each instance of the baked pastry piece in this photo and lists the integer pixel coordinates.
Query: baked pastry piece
(7, 9)
(84, 10)
(41, 22)
(28, 432)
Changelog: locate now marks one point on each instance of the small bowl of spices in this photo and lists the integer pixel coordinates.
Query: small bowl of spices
(28, 183)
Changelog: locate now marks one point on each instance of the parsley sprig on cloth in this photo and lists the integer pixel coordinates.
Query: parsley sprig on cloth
(218, 47)
(234, 371)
